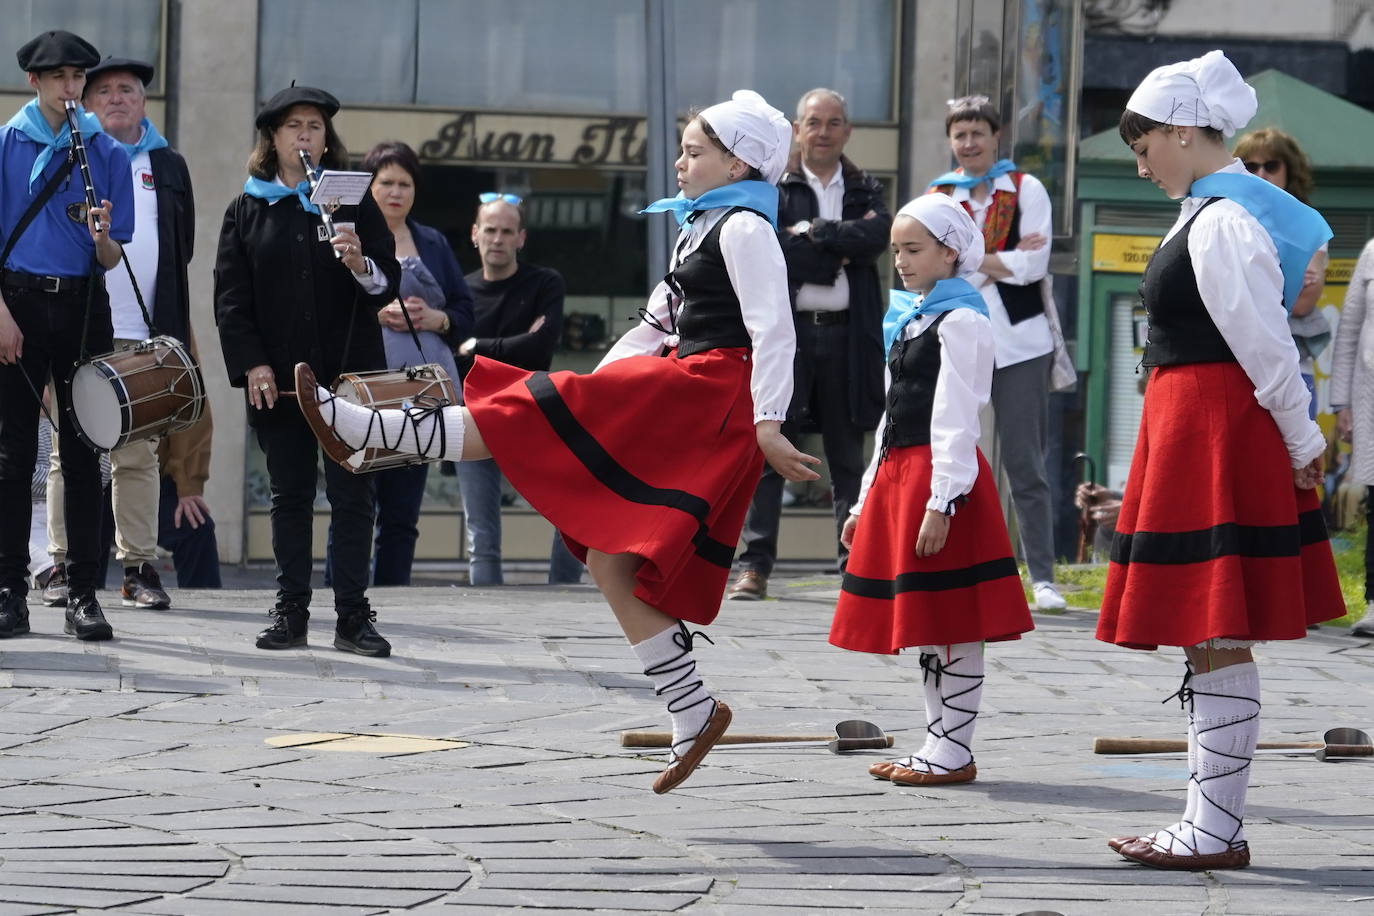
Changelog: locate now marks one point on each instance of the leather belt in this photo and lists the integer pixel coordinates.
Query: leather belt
(13, 279)
(824, 317)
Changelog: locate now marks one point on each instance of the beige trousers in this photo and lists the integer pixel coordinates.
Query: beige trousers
(136, 488)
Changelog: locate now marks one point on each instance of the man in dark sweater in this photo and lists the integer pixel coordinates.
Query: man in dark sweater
(518, 320)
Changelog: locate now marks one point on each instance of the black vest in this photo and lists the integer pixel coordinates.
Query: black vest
(1021, 302)
(914, 366)
(1180, 329)
(709, 315)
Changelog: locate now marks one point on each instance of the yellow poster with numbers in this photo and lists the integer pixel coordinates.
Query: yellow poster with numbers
(1123, 254)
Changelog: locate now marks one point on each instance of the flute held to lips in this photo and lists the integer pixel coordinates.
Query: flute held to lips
(79, 151)
(326, 216)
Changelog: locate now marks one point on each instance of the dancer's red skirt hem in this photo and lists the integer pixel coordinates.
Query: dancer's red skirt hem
(892, 599)
(1214, 540)
(653, 456)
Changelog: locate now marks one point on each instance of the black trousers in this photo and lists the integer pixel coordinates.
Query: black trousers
(293, 468)
(821, 391)
(52, 328)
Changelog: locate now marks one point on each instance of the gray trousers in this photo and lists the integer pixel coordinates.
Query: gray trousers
(1021, 400)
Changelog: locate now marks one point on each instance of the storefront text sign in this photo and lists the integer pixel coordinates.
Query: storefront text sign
(475, 137)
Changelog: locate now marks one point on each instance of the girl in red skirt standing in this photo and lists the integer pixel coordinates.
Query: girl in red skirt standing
(930, 562)
(647, 464)
(1220, 542)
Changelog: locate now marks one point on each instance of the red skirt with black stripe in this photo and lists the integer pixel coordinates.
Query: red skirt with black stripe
(654, 456)
(892, 599)
(1213, 540)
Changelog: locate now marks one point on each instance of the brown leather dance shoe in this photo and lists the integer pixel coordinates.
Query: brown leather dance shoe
(1116, 843)
(706, 739)
(909, 777)
(1147, 853)
(334, 448)
(882, 769)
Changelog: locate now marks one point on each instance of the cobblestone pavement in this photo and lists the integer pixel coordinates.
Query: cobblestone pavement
(179, 770)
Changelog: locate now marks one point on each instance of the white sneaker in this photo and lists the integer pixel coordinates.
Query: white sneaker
(1365, 626)
(1047, 597)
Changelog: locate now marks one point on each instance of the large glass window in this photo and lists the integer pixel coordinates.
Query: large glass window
(122, 28)
(538, 55)
(782, 50)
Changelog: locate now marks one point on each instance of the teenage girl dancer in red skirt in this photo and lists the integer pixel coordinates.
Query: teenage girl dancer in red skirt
(647, 464)
(1220, 543)
(930, 562)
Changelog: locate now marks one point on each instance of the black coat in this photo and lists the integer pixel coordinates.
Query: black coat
(281, 297)
(176, 238)
(816, 258)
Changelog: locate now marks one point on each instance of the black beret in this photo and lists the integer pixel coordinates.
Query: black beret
(141, 69)
(282, 102)
(51, 50)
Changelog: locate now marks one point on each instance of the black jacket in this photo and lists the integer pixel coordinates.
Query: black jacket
(176, 238)
(506, 309)
(816, 258)
(281, 297)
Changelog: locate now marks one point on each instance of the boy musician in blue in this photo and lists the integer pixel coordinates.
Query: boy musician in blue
(53, 310)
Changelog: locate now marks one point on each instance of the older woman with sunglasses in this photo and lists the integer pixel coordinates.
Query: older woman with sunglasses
(1276, 157)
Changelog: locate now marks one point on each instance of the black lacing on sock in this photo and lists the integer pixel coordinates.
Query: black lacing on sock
(1185, 693)
(941, 670)
(686, 683)
(930, 667)
(424, 407)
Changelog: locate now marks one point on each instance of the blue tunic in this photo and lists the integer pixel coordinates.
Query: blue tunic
(55, 244)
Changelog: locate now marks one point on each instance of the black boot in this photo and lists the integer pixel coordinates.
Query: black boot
(14, 614)
(85, 620)
(355, 633)
(288, 629)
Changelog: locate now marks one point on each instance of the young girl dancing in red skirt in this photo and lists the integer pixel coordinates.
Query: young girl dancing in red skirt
(647, 464)
(930, 562)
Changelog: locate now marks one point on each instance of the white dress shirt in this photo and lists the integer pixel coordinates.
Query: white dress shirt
(1016, 343)
(816, 297)
(1238, 277)
(962, 389)
(753, 259)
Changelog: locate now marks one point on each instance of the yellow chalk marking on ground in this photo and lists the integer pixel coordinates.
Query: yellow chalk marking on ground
(366, 743)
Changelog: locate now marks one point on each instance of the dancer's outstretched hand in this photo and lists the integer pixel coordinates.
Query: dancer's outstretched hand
(782, 455)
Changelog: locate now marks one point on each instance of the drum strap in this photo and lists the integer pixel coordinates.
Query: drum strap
(34, 206)
(138, 295)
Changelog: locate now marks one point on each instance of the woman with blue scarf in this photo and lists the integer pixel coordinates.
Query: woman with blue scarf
(287, 292)
(1220, 543)
(930, 561)
(647, 465)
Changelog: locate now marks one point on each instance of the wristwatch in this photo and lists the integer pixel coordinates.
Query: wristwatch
(802, 228)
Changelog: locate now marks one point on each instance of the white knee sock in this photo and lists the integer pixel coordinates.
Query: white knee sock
(668, 662)
(930, 684)
(958, 675)
(1226, 707)
(425, 431)
(1190, 805)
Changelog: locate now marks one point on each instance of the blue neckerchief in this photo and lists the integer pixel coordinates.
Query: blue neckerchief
(1297, 230)
(150, 140)
(31, 123)
(960, 180)
(756, 195)
(944, 296)
(272, 192)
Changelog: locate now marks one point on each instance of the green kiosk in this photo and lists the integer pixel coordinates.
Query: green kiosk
(1123, 219)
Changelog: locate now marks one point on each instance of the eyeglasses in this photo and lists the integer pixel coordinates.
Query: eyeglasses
(487, 197)
(1271, 166)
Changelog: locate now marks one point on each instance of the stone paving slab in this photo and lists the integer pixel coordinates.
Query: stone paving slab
(136, 775)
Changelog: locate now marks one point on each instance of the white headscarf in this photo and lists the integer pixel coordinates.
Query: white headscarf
(951, 226)
(1206, 91)
(754, 131)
